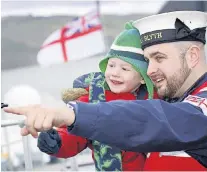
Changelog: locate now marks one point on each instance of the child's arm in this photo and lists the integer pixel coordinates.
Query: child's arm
(59, 142)
(71, 144)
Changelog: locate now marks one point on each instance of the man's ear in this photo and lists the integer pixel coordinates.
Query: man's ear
(142, 81)
(193, 56)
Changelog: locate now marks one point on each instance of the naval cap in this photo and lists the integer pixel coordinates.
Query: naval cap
(171, 27)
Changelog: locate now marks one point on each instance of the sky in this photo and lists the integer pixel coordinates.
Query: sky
(69, 7)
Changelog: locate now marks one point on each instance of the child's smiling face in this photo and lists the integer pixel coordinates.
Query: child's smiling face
(121, 76)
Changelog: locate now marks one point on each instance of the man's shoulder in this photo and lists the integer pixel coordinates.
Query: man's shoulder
(201, 89)
(198, 97)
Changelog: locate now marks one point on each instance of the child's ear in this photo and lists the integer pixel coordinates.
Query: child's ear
(142, 81)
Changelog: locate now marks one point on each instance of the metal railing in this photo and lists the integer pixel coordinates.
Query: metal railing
(74, 166)
(25, 140)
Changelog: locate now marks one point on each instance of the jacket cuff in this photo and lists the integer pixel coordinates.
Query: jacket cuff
(73, 106)
(84, 124)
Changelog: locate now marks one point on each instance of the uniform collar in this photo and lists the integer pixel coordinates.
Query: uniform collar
(198, 83)
(191, 80)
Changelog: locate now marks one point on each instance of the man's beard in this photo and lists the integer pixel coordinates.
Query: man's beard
(175, 81)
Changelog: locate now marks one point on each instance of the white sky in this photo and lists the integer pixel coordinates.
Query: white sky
(47, 8)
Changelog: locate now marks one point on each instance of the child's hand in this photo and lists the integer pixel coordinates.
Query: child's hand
(49, 141)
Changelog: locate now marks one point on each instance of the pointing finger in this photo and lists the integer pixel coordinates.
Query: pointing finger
(18, 110)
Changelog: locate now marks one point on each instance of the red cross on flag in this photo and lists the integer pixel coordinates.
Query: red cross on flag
(81, 38)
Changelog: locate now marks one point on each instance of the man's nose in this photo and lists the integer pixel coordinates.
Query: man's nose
(152, 68)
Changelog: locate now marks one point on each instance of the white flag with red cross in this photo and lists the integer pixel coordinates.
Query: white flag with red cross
(81, 38)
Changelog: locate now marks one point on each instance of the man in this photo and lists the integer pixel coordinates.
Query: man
(173, 44)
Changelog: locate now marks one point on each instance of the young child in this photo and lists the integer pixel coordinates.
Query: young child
(123, 77)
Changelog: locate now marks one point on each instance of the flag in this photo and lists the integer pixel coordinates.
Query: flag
(79, 39)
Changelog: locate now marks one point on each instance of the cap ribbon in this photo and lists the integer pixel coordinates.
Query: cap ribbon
(183, 31)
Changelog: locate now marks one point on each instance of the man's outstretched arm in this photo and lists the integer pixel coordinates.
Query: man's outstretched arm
(143, 126)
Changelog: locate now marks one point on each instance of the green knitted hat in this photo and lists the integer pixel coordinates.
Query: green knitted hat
(127, 47)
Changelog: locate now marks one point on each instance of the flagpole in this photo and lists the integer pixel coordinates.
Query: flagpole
(99, 14)
(98, 7)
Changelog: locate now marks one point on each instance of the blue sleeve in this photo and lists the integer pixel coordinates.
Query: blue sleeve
(143, 126)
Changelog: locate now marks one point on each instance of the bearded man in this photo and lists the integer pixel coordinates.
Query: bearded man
(175, 127)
